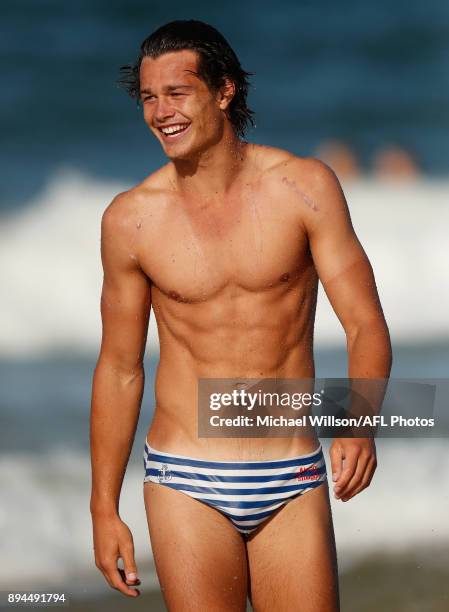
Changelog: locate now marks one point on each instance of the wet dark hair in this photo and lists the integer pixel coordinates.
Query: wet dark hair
(216, 61)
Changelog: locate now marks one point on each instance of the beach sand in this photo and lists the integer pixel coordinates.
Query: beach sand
(408, 582)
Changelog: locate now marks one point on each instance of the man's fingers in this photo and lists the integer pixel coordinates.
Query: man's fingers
(366, 478)
(336, 456)
(361, 465)
(130, 571)
(113, 541)
(115, 580)
(349, 467)
(127, 577)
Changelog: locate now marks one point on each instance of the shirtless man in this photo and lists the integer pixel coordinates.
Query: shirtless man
(226, 242)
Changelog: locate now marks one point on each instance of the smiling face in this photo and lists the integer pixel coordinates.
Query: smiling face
(179, 108)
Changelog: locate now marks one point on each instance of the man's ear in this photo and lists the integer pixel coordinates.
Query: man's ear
(226, 93)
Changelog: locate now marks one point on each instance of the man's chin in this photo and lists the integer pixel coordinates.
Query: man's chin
(177, 155)
(180, 154)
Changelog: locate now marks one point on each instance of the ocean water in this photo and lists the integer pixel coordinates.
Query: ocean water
(49, 338)
(50, 261)
(45, 477)
(369, 74)
(46, 526)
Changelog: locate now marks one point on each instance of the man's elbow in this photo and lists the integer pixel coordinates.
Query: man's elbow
(126, 371)
(374, 331)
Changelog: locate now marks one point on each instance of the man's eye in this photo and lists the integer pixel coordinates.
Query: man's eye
(148, 98)
(176, 95)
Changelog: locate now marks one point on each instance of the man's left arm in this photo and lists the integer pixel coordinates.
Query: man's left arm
(348, 280)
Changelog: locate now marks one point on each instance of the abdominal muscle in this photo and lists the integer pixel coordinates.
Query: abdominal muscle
(259, 337)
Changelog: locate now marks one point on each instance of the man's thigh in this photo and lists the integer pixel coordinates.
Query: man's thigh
(199, 555)
(292, 558)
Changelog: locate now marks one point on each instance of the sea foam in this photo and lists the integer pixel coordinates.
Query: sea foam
(51, 267)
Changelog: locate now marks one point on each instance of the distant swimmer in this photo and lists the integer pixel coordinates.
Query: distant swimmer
(340, 157)
(226, 243)
(395, 163)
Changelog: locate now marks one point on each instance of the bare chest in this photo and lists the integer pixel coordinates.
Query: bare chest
(253, 243)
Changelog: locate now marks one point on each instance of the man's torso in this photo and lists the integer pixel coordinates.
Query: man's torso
(233, 292)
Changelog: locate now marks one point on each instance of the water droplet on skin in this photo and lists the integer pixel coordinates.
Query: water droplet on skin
(139, 224)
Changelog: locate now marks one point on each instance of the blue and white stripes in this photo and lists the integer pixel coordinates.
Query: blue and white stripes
(246, 492)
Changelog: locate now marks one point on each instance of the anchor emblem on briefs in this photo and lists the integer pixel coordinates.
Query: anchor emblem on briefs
(164, 473)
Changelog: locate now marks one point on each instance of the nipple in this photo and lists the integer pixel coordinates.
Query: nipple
(175, 296)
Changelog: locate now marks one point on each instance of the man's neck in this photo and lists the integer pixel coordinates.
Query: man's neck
(212, 172)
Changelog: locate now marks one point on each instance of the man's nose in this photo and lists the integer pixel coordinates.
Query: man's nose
(163, 110)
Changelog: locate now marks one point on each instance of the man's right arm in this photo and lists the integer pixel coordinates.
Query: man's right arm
(118, 380)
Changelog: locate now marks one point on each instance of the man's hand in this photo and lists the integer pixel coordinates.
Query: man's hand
(113, 539)
(353, 464)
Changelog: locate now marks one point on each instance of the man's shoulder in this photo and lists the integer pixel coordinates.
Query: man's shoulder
(127, 205)
(278, 162)
(286, 173)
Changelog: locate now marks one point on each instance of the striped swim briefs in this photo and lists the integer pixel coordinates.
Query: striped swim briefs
(247, 492)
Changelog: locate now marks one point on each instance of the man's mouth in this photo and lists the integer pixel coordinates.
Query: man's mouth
(174, 131)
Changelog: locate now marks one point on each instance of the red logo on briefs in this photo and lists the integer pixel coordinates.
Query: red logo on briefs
(308, 472)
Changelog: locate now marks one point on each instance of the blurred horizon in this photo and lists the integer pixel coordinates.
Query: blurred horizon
(367, 75)
(363, 87)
